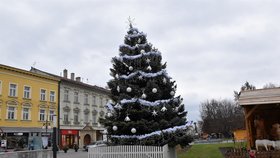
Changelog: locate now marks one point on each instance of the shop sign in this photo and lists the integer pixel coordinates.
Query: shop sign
(18, 134)
(65, 132)
(46, 134)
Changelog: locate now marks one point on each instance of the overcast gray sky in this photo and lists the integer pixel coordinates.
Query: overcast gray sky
(211, 46)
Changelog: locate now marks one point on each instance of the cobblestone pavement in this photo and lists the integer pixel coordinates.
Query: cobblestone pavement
(72, 154)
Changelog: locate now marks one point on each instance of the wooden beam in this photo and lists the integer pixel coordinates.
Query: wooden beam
(251, 111)
(247, 130)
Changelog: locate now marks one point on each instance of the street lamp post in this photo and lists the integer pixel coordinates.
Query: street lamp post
(46, 126)
(54, 136)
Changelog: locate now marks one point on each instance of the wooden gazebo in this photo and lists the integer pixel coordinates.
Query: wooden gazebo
(262, 110)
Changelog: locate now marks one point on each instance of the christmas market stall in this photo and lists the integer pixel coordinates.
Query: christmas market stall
(262, 117)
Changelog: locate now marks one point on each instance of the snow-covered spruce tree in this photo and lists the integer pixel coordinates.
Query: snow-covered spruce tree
(144, 109)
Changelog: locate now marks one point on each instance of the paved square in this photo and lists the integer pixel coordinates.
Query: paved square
(72, 154)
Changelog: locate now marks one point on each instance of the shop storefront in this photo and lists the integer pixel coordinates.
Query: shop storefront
(69, 137)
(21, 137)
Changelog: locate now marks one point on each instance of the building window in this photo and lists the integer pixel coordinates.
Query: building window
(25, 113)
(94, 100)
(76, 118)
(26, 92)
(0, 87)
(86, 118)
(101, 101)
(42, 115)
(51, 114)
(13, 90)
(52, 95)
(76, 97)
(86, 98)
(94, 117)
(43, 94)
(66, 95)
(11, 113)
(66, 118)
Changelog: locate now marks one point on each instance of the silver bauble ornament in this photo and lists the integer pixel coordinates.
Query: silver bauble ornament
(142, 51)
(172, 93)
(109, 114)
(154, 90)
(130, 68)
(115, 128)
(164, 80)
(128, 89)
(144, 96)
(127, 119)
(118, 106)
(133, 130)
(149, 68)
(163, 109)
(117, 76)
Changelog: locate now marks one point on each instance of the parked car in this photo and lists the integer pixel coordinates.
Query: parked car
(95, 144)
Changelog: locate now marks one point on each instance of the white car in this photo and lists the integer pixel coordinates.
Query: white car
(95, 144)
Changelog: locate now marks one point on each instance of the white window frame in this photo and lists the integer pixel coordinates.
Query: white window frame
(51, 114)
(27, 92)
(42, 114)
(52, 96)
(24, 113)
(76, 97)
(66, 119)
(14, 113)
(86, 118)
(76, 115)
(94, 100)
(94, 118)
(86, 99)
(42, 95)
(15, 90)
(66, 95)
(101, 101)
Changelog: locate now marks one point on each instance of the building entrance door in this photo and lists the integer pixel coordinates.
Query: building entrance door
(70, 140)
(87, 139)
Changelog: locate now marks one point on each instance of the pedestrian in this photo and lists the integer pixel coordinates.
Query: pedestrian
(31, 146)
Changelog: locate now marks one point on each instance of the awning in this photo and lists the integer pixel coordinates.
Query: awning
(23, 129)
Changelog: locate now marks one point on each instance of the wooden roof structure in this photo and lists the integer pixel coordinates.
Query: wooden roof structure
(260, 104)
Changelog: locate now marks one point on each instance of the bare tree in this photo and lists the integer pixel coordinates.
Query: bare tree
(221, 116)
(245, 87)
(270, 85)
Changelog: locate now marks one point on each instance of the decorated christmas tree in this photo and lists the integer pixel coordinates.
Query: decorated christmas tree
(144, 109)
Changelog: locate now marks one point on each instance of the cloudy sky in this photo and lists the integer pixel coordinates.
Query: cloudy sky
(211, 46)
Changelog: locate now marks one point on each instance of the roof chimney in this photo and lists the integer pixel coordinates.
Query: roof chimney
(72, 76)
(78, 79)
(65, 73)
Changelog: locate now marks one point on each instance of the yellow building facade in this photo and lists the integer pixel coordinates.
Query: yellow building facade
(28, 102)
